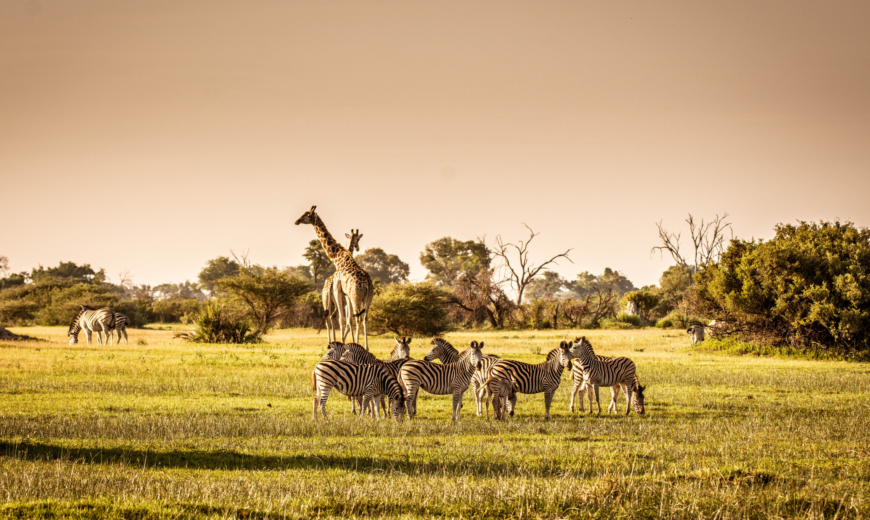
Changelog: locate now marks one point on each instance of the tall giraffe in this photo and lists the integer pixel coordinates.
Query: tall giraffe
(353, 282)
(327, 296)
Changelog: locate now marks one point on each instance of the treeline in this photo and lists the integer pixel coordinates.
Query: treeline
(808, 288)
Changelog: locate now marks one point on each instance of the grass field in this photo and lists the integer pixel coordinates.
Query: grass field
(167, 429)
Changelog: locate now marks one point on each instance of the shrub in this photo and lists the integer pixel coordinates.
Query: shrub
(215, 324)
(265, 293)
(622, 321)
(808, 287)
(410, 308)
(665, 323)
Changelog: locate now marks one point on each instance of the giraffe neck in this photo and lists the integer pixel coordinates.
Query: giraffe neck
(333, 249)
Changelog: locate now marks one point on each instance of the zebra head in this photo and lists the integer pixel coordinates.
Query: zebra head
(334, 350)
(442, 350)
(475, 355)
(308, 217)
(637, 398)
(566, 354)
(582, 350)
(397, 408)
(73, 338)
(74, 328)
(402, 350)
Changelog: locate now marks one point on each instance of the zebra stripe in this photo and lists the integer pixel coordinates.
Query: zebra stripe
(533, 379)
(90, 320)
(452, 378)
(352, 380)
(445, 352)
(478, 381)
(597, 373)
(357, 354)
(121, 327)
(576, 375)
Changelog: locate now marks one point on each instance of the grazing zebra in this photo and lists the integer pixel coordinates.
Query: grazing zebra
(444, 351)
(503, 393)
(121, 327)
(328, 296)
(533, 379)
(636, 395)
(91, 320)
(597, 373)
(357, 354)
(697, 333)
(356, 380)
(451, 378)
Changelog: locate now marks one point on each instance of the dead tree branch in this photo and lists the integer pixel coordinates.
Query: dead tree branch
(522, 271)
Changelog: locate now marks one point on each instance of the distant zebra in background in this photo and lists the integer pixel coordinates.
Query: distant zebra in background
(611, 372)
(352, 380)
(121, 327)
(697, 333)
(533, 379)
(101, 321)
(451, 378)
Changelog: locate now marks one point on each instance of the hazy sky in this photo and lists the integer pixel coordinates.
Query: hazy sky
(153, 136)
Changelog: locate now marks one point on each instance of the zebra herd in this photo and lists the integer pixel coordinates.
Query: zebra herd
(102, 321)
(358, 374)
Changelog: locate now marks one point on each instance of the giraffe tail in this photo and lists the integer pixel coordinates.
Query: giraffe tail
(360, 313)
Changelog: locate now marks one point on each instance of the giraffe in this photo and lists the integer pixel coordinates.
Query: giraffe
(353, 282)
(329, 303)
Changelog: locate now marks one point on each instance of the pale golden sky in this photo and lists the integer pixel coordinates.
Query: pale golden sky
(153, 136)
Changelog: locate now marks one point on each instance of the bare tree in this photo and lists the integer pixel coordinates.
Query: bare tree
(522, 271)
(598, 304)
(708, 242)
(4, 266)
(481, 297)
(125, 280)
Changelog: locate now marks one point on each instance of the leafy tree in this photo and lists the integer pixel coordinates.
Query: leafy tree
(548, 285)
(382, 266)
(320, 265)
(266, 293)
(447, 259)
(217, 269)
(13, 280)
(65, 270)
(808, 287)
(646, 300)
(587, 283)
(410, 309)
(672, 288)
(179, 291)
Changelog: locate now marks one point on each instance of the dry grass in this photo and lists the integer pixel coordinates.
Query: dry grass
(162, 428)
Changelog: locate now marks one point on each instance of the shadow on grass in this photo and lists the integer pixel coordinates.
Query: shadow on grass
(232, 460)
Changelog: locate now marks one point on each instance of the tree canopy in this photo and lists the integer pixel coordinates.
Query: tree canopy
(217, 269)
(382, 266)
(448, 258)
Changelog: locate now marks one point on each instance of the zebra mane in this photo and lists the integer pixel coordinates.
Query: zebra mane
(553, 353)
(447, 349)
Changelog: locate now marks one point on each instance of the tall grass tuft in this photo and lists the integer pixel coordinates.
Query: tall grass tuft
(215, 324)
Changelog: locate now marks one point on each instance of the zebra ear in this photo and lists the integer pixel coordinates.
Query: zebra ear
(313, 208)
(480, 346)
(408, 341)
(474, 344)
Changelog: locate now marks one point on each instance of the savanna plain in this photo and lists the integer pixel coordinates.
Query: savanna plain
(164, 429)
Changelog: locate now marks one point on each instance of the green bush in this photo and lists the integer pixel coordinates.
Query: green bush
(409, 309)
(215, 324)
(665, 323)
(622, 321)
(808, 287)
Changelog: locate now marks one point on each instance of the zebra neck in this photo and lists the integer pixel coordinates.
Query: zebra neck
(449, 357)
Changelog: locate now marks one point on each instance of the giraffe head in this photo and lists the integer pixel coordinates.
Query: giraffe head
(354, 237)
(308, 217)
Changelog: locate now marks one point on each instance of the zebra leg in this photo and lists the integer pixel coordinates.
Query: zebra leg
(457, 404)
(316, 398)
(629, 392)
(126, 342)
(597, 401)
(614, 393)
(88, 335)
(548, 400)
(589, 389)
(411, 402)
(475, 386)
(324, 395)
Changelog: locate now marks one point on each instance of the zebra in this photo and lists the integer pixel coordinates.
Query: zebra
(445, 352)
(533, 379)
(357, 354)
(502, 392)
(327, 295)
(355, 380)
(596, 373)
(576, 375)
(121, 327)
(90, 319)
(697, 333)
(451, 378)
